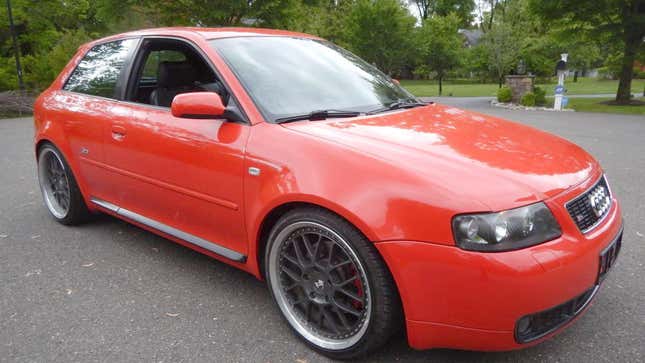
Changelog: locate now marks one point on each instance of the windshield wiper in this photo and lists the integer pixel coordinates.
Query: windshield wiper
(319, 115)
(398, 105)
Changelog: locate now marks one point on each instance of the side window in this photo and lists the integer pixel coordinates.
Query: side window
(165, 68)
(98, 72)
(156, 57)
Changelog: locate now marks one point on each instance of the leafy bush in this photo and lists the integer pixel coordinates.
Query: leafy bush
(422, 72)
(504, 95)
(540, 96)
(639, 74)
(42, 67)
(528, 99)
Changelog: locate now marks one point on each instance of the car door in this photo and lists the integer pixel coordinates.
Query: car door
(84, 104)
(180, 176)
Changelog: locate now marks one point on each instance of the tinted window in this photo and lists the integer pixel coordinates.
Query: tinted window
(166, 68)
(293, 76)
(156, 57)
(99, 70)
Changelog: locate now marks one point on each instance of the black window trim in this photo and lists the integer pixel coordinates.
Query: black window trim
(118, 86)
(136, 60)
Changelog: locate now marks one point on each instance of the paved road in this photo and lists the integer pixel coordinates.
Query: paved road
(108, 291)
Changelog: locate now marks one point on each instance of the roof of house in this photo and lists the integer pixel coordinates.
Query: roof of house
(472, 36)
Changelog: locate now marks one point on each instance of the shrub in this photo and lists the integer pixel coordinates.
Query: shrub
(528, 100)
(422, 72)
(540, 96)
(504, 95)
(545, 80)
(42, 67)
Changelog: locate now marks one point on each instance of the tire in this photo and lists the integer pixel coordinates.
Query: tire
(331, 284)
(58, 186)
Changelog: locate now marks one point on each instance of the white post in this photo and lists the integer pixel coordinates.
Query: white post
(559, 89)
(557, 104)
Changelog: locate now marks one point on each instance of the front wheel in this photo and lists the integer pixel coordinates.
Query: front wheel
(330, 284)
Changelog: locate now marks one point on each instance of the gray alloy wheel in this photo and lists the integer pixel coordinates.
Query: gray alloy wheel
(60, 191)
(320, 285)
(54, 183)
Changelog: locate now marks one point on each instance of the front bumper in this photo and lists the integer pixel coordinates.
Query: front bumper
(460, 299)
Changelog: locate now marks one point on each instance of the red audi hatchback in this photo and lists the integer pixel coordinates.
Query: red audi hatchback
(364, 209)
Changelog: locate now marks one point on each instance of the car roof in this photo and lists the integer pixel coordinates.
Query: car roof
(206, 33)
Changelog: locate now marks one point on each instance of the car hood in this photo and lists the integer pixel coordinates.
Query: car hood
(500, 164)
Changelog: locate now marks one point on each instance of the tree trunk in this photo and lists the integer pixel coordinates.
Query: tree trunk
(499, 81)
(440, 85)
(632, 36)
(626, 73)
(575, 76)
(492, 14)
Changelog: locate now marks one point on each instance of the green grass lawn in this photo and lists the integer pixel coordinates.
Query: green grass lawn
(425, 88)
(595, 105)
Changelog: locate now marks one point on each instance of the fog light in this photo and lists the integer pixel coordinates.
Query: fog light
(523, 325)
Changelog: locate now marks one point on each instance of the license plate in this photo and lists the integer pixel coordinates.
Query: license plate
(608, 257)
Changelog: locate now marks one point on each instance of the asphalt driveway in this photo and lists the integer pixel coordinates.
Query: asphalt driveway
(108, 291)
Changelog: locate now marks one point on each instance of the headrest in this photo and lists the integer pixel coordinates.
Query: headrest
(175, 74)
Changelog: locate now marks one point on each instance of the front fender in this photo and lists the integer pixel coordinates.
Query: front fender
(383, 201)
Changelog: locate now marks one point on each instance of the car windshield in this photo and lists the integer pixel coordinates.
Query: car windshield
(288, 77)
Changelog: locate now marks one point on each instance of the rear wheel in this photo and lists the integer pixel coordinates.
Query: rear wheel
(331, 284)
(59, 188)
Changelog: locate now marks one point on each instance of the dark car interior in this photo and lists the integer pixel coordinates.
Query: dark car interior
(165, 68)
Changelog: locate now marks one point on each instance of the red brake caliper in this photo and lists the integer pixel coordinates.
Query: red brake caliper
(359, 287)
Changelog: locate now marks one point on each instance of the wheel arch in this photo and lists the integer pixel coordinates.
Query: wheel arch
(271, 218)
(277, 211)
(71, 163)
(42, 142)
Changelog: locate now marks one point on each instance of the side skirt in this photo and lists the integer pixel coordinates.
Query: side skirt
(192, 239)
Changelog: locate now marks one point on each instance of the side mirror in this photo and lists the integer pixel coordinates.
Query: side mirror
(197, 105)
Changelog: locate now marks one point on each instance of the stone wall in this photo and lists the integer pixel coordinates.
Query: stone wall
(519, 85)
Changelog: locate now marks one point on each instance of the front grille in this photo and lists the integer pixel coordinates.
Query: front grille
(535, 326)
(588, 209)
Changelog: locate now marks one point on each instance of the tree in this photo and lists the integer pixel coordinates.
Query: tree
(50, 31)
(440, 45)
(425, 7)
(502, 50)
(486, 10)
(526, 38)
(623, 21)
(463, 9)
(46, 26)
(324, 18)
(218, 12)
(519, 34)
(584, 53)
(380, 31)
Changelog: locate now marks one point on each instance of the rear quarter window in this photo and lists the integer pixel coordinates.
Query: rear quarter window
(98, 72)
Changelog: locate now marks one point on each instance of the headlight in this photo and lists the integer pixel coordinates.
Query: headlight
(507, 230)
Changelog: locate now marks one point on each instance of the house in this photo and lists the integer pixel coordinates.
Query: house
(471, 36)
